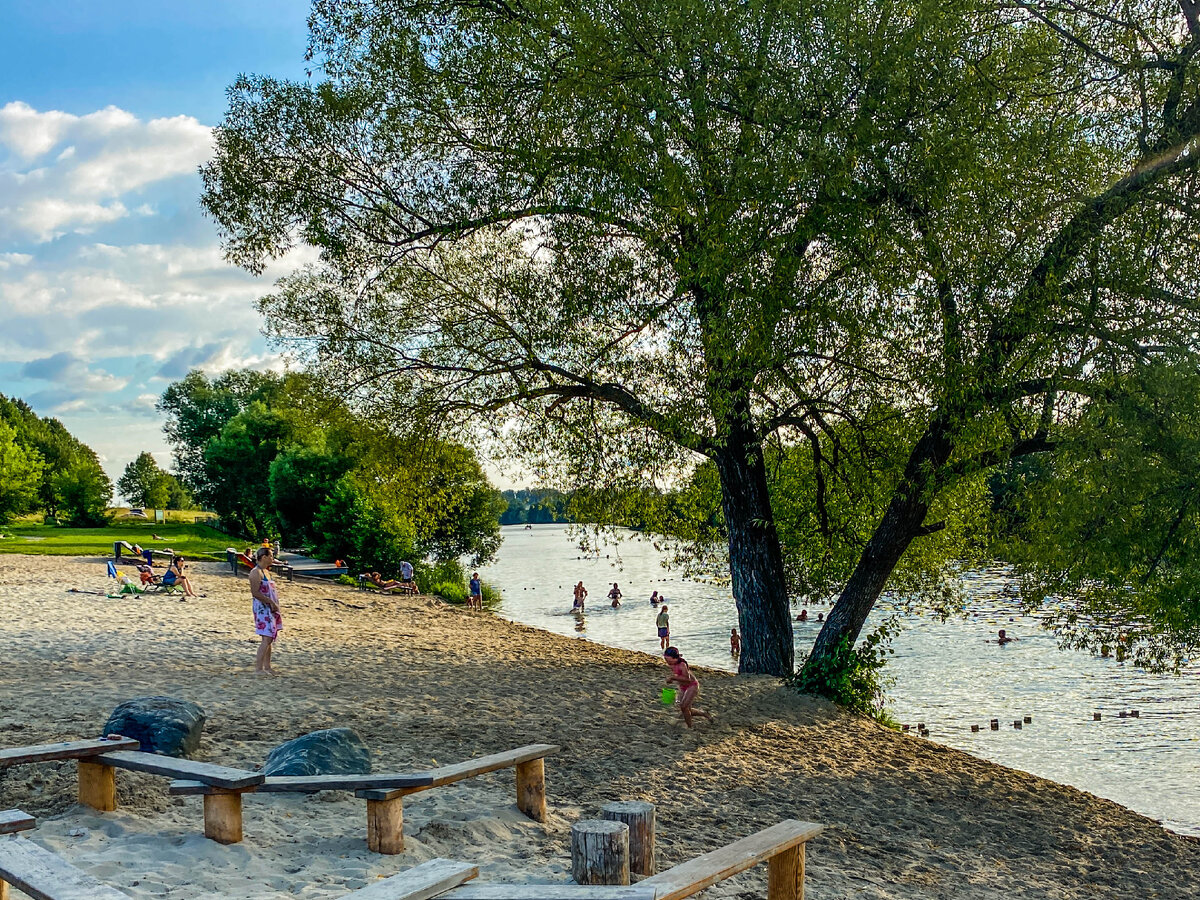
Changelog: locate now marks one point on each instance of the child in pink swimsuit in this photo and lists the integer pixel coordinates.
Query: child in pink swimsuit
(689, 686)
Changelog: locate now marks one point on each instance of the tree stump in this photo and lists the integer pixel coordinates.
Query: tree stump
(639, 816)
(600, 852)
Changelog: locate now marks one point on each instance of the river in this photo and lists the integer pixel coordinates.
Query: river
(946, 675)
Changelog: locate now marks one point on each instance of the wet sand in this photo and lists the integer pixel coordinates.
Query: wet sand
(421, 682)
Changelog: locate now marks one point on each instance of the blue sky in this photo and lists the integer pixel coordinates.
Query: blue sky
(111, 281)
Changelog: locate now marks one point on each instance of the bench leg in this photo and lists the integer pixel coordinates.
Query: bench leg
(223, 817)
(3, 890)
(97, 786)
(531, 789)
(385, 825)
(785, 875)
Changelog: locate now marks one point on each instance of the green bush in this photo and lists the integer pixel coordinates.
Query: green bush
(450, 591)
(853, 677)
(346, 579)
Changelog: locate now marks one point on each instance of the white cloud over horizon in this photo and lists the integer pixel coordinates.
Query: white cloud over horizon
(112, 284)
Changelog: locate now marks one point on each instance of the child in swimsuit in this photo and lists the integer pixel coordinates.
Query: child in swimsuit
(689, 686)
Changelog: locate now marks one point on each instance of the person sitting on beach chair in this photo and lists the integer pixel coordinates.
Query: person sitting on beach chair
(174, 576)
(376, 580)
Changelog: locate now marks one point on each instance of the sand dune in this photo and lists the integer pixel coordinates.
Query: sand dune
(425, 683)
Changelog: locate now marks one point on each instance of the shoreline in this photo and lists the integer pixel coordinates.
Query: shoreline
(422, 681)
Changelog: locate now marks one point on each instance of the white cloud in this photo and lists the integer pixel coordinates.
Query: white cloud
(112, 283)
(104, 157)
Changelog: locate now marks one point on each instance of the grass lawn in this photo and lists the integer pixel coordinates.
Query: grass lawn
(193, 541)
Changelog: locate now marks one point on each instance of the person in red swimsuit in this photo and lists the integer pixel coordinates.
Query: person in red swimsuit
(689, 686)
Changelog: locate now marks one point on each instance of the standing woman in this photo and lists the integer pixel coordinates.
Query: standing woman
(580, 596)
(267, 621)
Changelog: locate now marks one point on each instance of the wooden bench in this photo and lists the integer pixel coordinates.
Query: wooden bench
(45, 876)
(422, 882)
(14, 820)
(782, 846)
(385, 808)
(385, 793)
(96, 788)
(222, 807)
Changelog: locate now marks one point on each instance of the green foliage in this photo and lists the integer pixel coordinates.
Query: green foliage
(196, 410)
(853, 676)
(535, 506)
(301, 479)
(20, 475)
(48, 441)
(620, 238)
(144, 484)
(1110, 528)
(82, 493)
(348, 580)
(450, 591)
(353, 525)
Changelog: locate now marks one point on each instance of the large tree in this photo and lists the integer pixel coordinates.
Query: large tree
(144, 483)
(683, 229)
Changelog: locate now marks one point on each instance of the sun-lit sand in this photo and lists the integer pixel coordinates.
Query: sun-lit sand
(423, 682)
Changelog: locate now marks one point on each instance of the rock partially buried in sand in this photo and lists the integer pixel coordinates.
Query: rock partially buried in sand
(160, 724)
(334, 751)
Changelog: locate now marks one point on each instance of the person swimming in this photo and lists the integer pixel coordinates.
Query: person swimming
(1003, 638)
(803, 617)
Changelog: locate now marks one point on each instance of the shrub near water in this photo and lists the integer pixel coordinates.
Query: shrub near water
(853, 676)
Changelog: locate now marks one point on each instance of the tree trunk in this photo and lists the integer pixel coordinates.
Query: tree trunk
(755, 559)
(902, 522)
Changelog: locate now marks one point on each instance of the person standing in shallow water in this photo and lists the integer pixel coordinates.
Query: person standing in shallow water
(663, 621)
(267, 620)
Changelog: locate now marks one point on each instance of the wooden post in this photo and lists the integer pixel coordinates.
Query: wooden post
(531, 789)
(785, 875)
(3, 890)
(600, 852)
(223, 816)
(385, 825)
(639, 817)
(97, 786)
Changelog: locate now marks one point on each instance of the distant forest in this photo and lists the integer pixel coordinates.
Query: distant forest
(535, 506)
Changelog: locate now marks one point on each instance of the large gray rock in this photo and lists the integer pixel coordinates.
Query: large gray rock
(334, 751)
(160, 724)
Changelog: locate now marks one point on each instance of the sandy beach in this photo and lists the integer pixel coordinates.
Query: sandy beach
(426, 683)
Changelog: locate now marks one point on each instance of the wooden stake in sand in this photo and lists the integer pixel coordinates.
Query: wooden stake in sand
(600, 852)
(639, 816)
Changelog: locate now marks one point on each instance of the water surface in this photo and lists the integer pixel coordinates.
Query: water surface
(946, 675)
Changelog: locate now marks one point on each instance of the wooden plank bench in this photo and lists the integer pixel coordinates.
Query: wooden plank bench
(16, 756)
(222, 807)
(44, 876)
(422, 882)
(385, 793)
(14, 820)
(782, 846)
(385, 808)
(551, 892)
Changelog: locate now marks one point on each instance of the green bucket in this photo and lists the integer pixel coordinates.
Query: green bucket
(668, 696)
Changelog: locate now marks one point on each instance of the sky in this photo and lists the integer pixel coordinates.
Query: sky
(112, 282)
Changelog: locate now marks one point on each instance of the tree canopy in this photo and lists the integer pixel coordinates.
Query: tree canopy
(277, 458)
(65, 473)
(629, 237)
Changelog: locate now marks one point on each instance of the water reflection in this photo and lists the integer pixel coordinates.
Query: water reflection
(946, 674)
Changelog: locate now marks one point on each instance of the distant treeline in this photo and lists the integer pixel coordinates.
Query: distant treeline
(536, 506)
(43, 467)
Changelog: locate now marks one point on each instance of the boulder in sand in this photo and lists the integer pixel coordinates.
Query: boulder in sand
(333, 751)
(163, 725)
